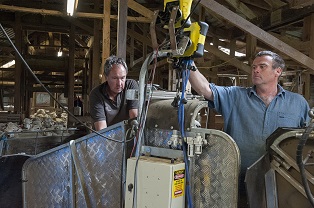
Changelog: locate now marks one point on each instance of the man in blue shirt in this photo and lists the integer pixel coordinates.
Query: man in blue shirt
(251, 114)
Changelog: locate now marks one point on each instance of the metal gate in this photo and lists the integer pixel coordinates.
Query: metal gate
(87, 173)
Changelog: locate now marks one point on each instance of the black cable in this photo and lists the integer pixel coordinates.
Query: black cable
(50, 94)
(185, 21)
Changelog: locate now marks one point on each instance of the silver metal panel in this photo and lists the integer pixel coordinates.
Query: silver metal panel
(161, 114)
(215, 172)
(255, 182)
(47, 180)
(271, 189)
(51, 180)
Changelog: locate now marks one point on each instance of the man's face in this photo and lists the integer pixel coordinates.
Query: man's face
(263, 72)
(116, 78)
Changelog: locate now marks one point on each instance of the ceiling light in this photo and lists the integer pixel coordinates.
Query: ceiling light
(71, 6)
(59, 53)
(8, 65)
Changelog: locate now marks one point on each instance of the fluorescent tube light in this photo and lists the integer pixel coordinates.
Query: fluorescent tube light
(71, 6)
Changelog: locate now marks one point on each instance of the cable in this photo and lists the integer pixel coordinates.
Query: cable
(143, 117)
(56, 100)
(185, 78)
(185, 21)
(144, 110)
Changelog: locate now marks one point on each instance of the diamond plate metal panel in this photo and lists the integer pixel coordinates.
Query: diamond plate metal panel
(51, 179)
(216, 171)
(47, 180)
(214, 174)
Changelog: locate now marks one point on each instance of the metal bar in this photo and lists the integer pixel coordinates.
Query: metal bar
(153, 30)
(79, 173)
(287, 158)
(171, 28)
(288, 178)
(271, 189)
(162, 152)
(36, 139)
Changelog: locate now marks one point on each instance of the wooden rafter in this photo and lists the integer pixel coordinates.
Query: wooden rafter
(242, 8)
(78, 14)
(140, 9)
(275, 4)
(300, 3)
(262, 35)
(228, 59)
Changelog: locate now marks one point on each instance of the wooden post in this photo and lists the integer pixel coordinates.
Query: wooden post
(106, 35)
(71, 70)
(251, 43)
(96, 50)
(122, 28)
(308, 35)
(18, 63)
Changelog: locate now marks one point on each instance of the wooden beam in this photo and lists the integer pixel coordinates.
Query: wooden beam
(82, 25)
(251, 44)
(207, 71)
(96, 71)
(300, 3)
(258, 4)
(262, 35)
(18, 65)
(140, 37)
(71, 70)
(228, 59)
(250, 47)
(131, 51)
(80, 41)
(78, 14)
(275, 4)
(307, 77)
(311, 28)
(297, 44)
(122, 28)
(238, 5)
(106, 31)
(140, 9)
(287, 16)
(47, 78)
(40, 89)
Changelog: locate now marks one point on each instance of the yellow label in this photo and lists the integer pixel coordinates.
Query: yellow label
(178, 183)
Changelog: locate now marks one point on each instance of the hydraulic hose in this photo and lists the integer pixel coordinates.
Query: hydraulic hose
(185, 78)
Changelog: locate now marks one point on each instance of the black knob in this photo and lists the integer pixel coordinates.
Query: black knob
(130, 187)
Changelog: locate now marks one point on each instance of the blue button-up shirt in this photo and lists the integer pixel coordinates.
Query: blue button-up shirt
(249, 121)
